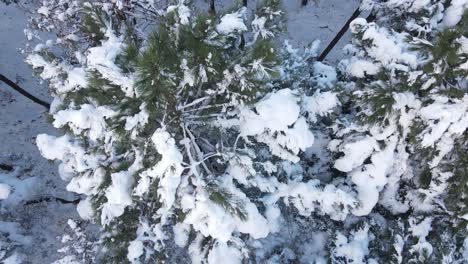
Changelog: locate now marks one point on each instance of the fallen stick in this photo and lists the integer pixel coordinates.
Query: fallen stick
(50, 199)
(339, 35)
(17, 88)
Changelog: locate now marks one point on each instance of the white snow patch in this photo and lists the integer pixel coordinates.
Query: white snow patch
(356, 152)
(5, 191)
(232, 22)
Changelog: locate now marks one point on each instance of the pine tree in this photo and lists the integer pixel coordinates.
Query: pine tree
(196, 135)
(409, 97)
(151, 128)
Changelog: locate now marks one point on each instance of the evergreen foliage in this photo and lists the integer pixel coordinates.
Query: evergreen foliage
(199, 136)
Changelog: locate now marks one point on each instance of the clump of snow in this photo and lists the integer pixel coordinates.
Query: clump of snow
(210, 219)
(88, 118)
(275, 112)
(233, 22)
(421, 231)
(320, 104)
(443, 117)
(310, 197)
(76, 78)
(324, 75)
(182, 10)
(181, 234)
(102, 59)
(371, 178)
(5, 190)
(355, 153)
(85, 209)
(359, 68)
(454, 12)
(388, 49)
(258, 27)
(43, 10)
(135, 250)
(118, 194)
(353, 250)
(278, 112)
(138, 120)
(223, 253)
(73, 156)
(168, 170)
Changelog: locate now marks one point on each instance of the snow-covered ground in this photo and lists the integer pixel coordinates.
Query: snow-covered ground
(31, 221)
(31, 230)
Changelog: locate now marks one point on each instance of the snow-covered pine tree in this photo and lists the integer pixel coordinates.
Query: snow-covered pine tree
(193, 136)
(403, 137)
(174, 136)
(140, 110)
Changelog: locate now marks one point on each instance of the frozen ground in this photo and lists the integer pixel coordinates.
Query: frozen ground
(31, 228)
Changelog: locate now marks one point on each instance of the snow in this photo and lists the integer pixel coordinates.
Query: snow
(85, 209)
(373, 163)
(88, 117)
(210, 219)
(387, 48)
(76, 78)
(5, 191)
(118, 194)
(169, 168)
(87, 184)
(320, 104)
(278, 111)
(33, 176)
(309, 197)
(371, 179)
(324, 75)
(43, 11)
(138, 120)
(444, 118)
(354, 250)
(355, 153)
(135, 250)
(421, 231)
(232, 22)
(359, 68)
(67, 260)
(222, 253)
(102, 59)
(62, 148)
(419, 5)
(454, 12)
(258, 26)
(183, 11)
(275, 112)
(181, 234)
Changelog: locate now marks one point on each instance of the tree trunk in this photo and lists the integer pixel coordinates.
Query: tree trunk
(212, 7)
